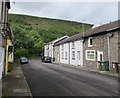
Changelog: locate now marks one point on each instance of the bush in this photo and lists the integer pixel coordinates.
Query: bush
(21, 53)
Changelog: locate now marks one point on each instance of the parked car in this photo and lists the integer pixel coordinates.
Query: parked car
(23, 60)
(47, 59)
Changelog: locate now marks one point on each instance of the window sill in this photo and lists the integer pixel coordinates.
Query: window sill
(90, 46)
(73, 59)
(90, 59)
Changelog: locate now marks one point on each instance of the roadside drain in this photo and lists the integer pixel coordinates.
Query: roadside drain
(20, 91)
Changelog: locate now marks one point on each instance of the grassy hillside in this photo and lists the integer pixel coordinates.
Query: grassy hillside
(30, 32)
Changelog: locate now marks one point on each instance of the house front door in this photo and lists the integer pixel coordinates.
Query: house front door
(58, 58)
(99, 55)
(79, 57)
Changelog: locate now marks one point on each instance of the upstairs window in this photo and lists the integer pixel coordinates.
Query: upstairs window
(73, 55)
(48, 47)
(62, 47)
(62, 55)
(90, 42)
(73, 45)
(66, 55)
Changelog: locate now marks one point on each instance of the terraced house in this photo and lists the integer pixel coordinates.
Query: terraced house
(101, 43)
(49, 49)
(71, 50)
(6, 40)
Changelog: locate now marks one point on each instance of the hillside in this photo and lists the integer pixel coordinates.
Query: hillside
(30, 32)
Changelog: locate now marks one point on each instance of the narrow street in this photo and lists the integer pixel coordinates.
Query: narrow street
(47, 79)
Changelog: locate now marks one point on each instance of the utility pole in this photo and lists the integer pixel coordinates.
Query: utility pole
(83, 31)
(83, 28)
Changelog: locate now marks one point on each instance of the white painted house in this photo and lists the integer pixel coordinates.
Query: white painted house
(76, 53)
(71, 51)
(49, 47)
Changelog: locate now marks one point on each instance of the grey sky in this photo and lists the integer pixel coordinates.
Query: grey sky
(90, 12)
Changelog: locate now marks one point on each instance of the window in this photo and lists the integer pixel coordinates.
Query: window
(48, 53)
(73, 45)
(79, 55)
(10, 49)
(66, 55)
(73, 55)
(90, 55)
(62, 55)
(62, 47)
(90, 42)
(47, 47)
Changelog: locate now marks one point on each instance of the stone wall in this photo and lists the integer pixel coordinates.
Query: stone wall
(57, 54)
(100, 43)
(114, 47)
(2, 41)
(119, 45)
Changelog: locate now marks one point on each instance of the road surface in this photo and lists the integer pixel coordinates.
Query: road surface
(47, 79)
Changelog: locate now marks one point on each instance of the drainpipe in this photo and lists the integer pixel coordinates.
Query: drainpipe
(82, 50)
(109, 35)
(69, 51)
(7, 59)
(109, 52)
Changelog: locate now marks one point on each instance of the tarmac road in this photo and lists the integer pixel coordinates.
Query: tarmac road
(47, 79)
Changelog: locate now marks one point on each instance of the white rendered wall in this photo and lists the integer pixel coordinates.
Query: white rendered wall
(46, 50)
(2, 52)
(65, 49)
(78, 47)
(68, 48)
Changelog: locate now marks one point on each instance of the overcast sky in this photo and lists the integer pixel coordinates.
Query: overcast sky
(89, 12)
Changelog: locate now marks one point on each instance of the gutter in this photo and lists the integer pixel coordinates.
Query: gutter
(113, 29)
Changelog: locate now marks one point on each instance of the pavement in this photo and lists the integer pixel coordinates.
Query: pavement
(14, 84)
(111, 73)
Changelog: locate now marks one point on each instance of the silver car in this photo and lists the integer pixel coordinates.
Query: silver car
(23, 60)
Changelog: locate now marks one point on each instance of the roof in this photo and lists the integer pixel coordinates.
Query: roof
(57, 40)
(69, 39)
(95, 31)
(103, 28)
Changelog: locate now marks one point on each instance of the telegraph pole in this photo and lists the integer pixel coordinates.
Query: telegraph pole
(82, 41)
(83, 28)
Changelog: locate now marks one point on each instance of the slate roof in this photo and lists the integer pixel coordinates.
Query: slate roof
(57, 40)
(95, 31)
